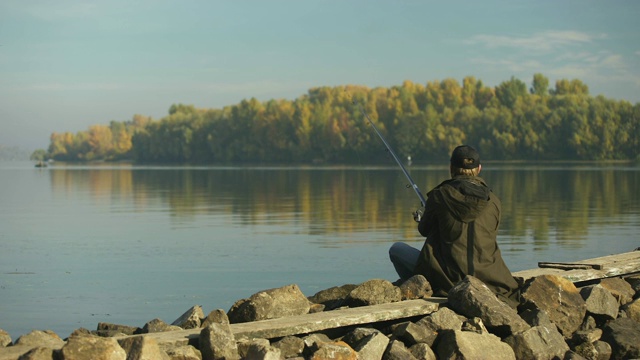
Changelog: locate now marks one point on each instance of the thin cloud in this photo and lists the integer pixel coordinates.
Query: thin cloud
(257, 87)
(559, 54)
(570, 71)
(74, 86)
(613, 61)
(543, 41)
(514, 66)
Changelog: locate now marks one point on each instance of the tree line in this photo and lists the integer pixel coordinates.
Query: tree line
(507, 122)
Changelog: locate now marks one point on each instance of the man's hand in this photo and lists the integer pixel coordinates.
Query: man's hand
(417, 215)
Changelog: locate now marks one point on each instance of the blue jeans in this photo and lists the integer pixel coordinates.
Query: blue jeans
(404, 259)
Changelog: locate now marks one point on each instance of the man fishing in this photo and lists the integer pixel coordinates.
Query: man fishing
(460, 222)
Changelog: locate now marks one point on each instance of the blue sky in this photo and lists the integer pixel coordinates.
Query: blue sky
(65, 65)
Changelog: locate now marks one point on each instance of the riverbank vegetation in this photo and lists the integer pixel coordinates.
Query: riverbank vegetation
(506, 122)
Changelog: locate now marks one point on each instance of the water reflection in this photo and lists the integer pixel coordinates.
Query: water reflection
(542, 203)
(564, 202)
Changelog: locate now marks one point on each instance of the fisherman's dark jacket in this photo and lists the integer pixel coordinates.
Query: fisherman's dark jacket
(460, 222)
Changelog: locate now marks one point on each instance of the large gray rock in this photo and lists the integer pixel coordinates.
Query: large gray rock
(559, 298)
(373, 292)
(571, 355)
(263, 351)
(157, 325)
(217, 342)
(600, 302)
(372, 346)
(245, 343)
(620, 289)
(623, 334)
(416, 287)
(472, 298)
(460, 345)
(422, 352)
(270, 304)
(476, 325)
(634, 281)
(603, 349)
(598, 350)
(590, 336)
(538, 343)
(442, 319)
(142, 348)
(290, 346)
(397, 351)
(411, 334)
(5, 338)
(356, 335)
(333, 297)
(316, 308)
(38, 353)
(632, 310)
(215, 316)
(589, 323)
(92, 348)
(46, 338)
(191, 319)
(312, 343)
(186, 352)
(536, 317)
(81, 331)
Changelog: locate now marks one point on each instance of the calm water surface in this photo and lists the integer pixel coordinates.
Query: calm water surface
(126, 244)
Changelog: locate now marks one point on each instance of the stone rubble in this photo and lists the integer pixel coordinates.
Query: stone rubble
(559, 298)
(555, 320)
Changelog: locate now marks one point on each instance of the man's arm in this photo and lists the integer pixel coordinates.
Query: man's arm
(428, 219)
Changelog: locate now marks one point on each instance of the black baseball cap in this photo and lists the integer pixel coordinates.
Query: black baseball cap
(463, 152)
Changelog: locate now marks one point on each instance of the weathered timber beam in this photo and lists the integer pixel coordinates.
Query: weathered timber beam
(589, 269)
(308, 323)
(304, 324)
(568, 266)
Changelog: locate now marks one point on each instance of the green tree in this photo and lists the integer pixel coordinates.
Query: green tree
(540, 85)
(121, 141)
(100, 141)
(505, 122)
(469, 89)
(508, 92)
(39, 155)
(451, 93)
(573, 87)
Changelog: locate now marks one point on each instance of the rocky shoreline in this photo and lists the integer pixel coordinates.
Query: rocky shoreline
(555, 320)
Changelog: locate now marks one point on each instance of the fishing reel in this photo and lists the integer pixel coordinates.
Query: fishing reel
(417, 215)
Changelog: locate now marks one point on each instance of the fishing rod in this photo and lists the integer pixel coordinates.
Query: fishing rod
(423, 202)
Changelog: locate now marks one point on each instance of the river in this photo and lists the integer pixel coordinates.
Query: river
(119, 243)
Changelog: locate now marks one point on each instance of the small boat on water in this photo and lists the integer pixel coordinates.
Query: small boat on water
(41, 164)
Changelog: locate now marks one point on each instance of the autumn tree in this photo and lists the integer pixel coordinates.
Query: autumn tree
(540, 85)
(509, 91)
(425, 121)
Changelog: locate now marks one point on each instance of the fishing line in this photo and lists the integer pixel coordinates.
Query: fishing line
(393, 154)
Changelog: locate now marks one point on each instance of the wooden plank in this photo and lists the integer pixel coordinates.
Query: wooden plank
(611, 260)
(598, 268)
(569, 266)
(308, 323)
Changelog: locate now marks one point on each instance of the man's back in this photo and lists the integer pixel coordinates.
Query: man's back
(461, 222)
